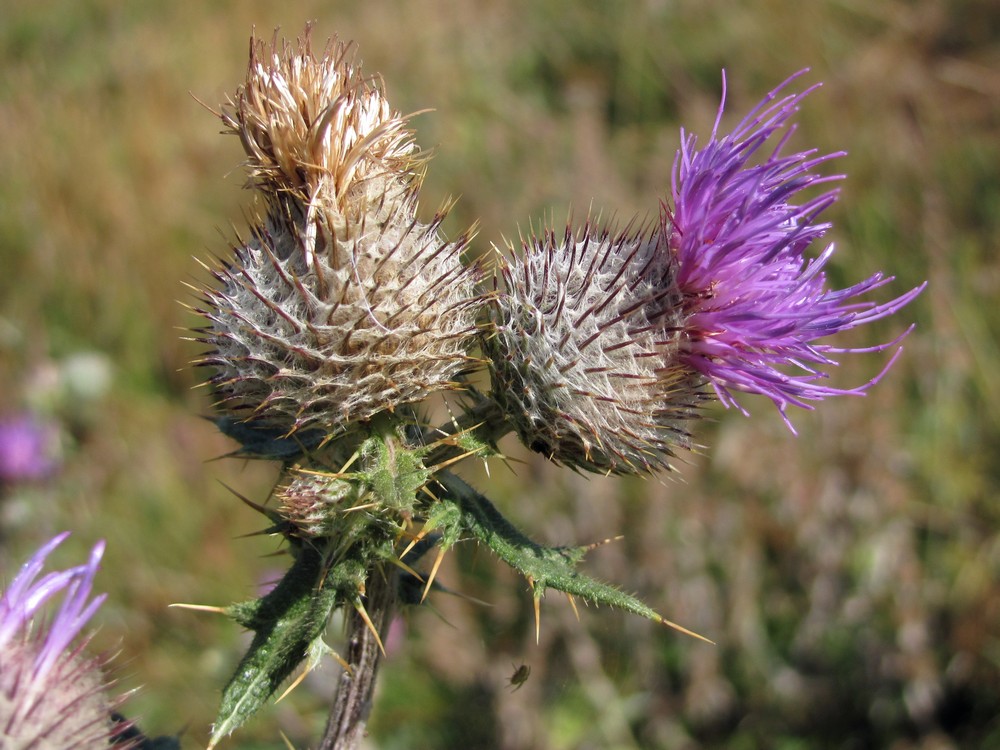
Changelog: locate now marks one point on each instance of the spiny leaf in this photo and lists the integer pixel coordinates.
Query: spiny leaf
(545, 567)
(287, 622)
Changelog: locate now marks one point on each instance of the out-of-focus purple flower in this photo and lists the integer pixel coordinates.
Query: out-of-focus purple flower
(51, 694)
(755, 305)
(28, 449)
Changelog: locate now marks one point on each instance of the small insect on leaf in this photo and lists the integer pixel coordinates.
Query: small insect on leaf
(519, 677)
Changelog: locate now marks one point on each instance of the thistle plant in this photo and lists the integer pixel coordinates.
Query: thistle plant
(343, 304)
(52, 694)
(343, 312)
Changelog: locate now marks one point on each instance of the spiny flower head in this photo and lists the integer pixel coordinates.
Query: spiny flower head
(581, 349)
(315, 504)
(754, 305)
(343, 303)
(51, 694)
(601, 345)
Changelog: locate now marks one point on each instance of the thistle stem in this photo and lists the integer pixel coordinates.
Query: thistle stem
(352, 706)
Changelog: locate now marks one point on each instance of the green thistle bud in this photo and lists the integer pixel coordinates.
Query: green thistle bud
(342, 304)
(314, 503)
(584, 351)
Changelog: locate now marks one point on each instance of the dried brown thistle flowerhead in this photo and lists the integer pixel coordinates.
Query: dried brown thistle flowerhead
(343, 303)
(584, 351)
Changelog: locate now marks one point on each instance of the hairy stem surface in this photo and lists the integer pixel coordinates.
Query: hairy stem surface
(353, 704)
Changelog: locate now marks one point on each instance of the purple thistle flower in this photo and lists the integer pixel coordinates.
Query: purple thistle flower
(601, 344)
(754, 303)
(51, 694)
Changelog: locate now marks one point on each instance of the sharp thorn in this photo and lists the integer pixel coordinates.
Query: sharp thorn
(420, 535)
(685, 631)
(433, 573)
(199, 608)
(403, 566)
(538, 610)
(295, 684)
(368, 621)
(572, 603)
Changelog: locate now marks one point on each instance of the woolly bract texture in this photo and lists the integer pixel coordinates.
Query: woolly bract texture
(51, 694)
(584, 351)
(342, 304)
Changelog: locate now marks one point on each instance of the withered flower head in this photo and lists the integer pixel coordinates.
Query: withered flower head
(343, 303)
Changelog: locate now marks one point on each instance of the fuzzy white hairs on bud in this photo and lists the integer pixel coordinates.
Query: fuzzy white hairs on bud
(584, 352)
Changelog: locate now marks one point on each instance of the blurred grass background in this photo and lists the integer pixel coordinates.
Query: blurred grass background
(851, 575)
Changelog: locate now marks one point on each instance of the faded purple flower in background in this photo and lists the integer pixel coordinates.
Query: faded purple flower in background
(28, 449)
(753, 302)
(51, 693)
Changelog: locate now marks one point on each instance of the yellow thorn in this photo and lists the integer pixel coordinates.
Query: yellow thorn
(199, 608)
(420, 535)
(351, 460)
(288, 742)
(685, 631)
(538, 610)
(538, 620)
(399, 563)
(364, 616)
(344, 665)
(451, 461)
(572, 603)
(295, 684)
(434, 570)
(451, 438)
(359, 507)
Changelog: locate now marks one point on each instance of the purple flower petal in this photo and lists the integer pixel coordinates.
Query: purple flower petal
(25, 596)
(51, 693)
(756, 306)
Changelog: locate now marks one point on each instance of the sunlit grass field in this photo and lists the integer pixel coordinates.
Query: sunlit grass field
(850, 575)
